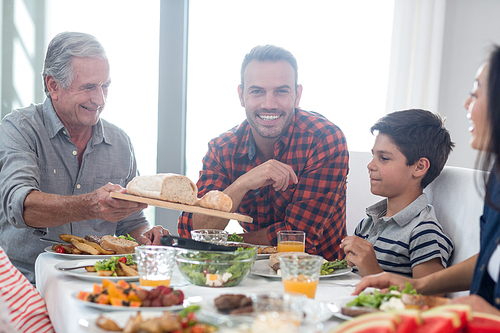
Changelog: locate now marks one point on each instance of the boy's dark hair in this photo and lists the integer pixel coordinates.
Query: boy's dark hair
(418, 133)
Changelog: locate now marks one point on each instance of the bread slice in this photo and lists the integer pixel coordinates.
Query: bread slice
(120, 246)
(165, 186)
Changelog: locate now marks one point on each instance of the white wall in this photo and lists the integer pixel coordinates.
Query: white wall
(471, 26)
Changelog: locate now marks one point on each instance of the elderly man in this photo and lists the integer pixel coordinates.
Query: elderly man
(283, 166)
(59, 160)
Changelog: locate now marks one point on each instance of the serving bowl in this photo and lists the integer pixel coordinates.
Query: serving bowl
(216, 268)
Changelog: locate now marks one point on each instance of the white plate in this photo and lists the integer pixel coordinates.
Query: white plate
(314, 310)
(262, 268)
(120, 318)
(83, 256)
(106, 307)
(90, 276)
(337, 305)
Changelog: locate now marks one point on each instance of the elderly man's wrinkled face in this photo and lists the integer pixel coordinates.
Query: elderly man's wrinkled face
(269, 97)
(81, 104)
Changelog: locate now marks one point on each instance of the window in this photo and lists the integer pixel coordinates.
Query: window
(342, 50)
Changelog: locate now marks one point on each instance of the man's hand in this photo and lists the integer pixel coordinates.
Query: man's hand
(360, 253)
(109, 209)
(271, 172)
(152, 236)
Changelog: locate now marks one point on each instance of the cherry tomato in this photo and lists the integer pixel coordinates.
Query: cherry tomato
(123, 260)
(60, 249)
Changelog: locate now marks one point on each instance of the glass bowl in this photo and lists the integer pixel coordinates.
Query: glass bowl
(214, 236)
(216, 268)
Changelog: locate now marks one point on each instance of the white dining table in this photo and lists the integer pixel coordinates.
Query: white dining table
(65, 311)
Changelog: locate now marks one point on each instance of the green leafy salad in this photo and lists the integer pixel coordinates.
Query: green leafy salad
(376, 299)
(331, 266)
(218, 269)
(128, 237)
(111, 263)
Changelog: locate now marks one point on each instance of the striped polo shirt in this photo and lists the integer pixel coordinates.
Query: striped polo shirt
(409, 238)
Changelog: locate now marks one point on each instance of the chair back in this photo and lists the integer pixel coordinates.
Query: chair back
(458, 203)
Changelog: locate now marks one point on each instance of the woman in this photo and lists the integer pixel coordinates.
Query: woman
(22, 309)
(480, 273)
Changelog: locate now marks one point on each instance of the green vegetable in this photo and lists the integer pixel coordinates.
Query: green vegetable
(374, 300)
(192, 308)
(196, 265)
(235, 238)
(329, 267)
(128, 237)
(111, 263)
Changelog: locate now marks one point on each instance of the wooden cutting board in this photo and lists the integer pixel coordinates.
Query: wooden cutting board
(182, 207)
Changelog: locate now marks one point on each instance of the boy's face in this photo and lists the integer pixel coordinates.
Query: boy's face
(390, 177)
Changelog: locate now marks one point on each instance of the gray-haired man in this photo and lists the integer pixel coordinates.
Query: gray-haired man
(59, 161)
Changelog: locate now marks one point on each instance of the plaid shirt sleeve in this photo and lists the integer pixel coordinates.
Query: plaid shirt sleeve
(318, 203)
(213, 177)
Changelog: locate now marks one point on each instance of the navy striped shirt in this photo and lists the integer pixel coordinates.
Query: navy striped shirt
(409, 238)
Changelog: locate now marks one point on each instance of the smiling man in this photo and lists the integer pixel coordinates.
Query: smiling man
(59, 160)
(283, 166)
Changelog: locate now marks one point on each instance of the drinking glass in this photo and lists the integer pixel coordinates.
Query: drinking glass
(300, 273)
(291, 241)
(155, 265)
(213, 236)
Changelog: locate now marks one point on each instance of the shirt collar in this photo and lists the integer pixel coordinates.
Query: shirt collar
(54, 125)
(402, 218)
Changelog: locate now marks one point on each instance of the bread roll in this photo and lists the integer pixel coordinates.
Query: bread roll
(274, 260)
(216, 200)
(120, 246)
(165, 186)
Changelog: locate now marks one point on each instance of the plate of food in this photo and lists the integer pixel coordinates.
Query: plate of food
(115, 268)
(240, 305)
(74, 247)
(135, 321)
(375, 301)
(270, 268)
(263, 252)
(125, 296)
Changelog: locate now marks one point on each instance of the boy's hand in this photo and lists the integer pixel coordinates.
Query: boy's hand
(360, 253)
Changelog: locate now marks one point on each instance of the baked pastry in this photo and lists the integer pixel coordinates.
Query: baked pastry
(274, 260)
(165, 186)
(216, 200)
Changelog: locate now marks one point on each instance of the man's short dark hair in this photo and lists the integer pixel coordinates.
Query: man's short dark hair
(418, 133)
(269, 53)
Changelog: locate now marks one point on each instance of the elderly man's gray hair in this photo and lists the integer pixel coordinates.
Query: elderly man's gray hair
(60, 52)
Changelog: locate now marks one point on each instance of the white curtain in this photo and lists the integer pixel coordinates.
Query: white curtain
(416, 51)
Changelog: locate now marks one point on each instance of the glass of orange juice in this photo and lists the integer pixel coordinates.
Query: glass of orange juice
(291, 241)
(300, 273)
(155, 265)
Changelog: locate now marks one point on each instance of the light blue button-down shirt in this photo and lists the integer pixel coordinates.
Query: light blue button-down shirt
(36, 154)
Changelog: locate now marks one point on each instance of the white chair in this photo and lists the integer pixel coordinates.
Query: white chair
(459, 205)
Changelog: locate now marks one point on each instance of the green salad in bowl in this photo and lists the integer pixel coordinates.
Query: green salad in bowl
(216, 268)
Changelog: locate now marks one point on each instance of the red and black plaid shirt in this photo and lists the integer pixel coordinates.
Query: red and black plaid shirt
(316, 149)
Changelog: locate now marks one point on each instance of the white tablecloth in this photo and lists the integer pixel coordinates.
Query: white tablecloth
(65, 312)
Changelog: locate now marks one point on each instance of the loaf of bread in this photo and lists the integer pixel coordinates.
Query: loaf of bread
(216, 200)
(120, 246)
(165, 186)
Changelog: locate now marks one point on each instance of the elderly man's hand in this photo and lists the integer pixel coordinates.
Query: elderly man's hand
(152, 236)
(106, 208)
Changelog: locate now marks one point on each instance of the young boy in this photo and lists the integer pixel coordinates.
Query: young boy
(401, 233)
